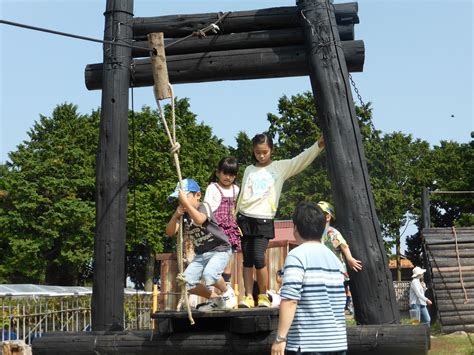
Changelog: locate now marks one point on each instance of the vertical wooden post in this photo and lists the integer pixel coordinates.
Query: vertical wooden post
(112, 171)
(372, 288)
(425, 208)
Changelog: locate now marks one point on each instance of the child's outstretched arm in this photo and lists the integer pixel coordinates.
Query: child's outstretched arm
(353, 263)
(173, 224)
(297, 164)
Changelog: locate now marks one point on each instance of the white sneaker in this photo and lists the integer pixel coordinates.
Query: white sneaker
(214, 304)
(229, 298)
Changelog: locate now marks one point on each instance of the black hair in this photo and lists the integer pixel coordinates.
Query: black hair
(227, 165)
(261, 139)
(309, 220)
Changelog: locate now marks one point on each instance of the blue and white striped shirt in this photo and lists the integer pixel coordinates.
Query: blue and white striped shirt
(314, 277)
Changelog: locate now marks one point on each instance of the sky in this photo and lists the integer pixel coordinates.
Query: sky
(418, 71)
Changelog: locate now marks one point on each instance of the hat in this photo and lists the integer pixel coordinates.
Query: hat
(418, 271)
(327, 208)
(189, 185)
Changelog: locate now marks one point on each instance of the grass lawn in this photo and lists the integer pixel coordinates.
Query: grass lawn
(450, 344)
(441, 344)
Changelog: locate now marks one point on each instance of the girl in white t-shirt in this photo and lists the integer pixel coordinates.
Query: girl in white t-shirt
(256, 208)
(221, 195)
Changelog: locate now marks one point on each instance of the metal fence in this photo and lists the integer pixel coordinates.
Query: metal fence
(25, 318)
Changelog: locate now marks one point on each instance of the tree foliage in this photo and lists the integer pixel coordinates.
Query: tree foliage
(47, 205)
(46, 219)
(47, 189)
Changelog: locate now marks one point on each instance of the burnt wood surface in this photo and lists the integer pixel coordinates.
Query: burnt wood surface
(245, 40)
(257, 63)
(235, 22)
(112, 173)
(367, 339)
(372, 288)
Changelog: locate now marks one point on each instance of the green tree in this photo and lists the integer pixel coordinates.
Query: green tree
(398, 166)
(47, 216)
(451, 169)
(47, 199)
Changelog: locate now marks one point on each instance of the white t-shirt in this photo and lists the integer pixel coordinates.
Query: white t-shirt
(261, 186)
(213, 196)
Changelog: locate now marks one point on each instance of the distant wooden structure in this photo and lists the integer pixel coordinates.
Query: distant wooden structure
(450, 256)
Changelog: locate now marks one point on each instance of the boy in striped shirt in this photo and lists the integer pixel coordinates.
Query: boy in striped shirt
(312, 317)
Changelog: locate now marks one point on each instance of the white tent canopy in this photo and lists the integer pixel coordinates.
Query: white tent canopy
(44, 290)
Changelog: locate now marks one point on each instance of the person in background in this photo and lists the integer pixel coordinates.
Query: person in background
(312, 319)
(334, 240)
(256, 208)
(417, 295)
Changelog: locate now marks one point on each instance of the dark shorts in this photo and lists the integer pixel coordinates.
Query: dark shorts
(256, 227)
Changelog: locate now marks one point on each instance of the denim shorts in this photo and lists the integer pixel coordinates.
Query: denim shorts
(208, 267)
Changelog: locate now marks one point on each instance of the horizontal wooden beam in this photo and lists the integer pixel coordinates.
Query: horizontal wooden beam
(235, 22)
(468, 328)
(447, 239)
(258, 63)
(245, 40)
(362, 339)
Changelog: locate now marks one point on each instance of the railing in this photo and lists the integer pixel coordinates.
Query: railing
(25, 318)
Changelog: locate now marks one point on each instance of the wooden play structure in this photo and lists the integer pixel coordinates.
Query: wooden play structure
(314, 38)
(449, 258)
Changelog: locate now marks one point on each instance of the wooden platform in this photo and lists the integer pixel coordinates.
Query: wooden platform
(239, 321)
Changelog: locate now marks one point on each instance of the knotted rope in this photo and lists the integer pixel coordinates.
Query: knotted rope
(175, 146)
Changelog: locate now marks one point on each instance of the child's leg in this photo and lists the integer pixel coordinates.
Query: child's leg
(221, 285)
(202, 291)
(260, 248)
(248, 255)
(226, 274)
(248, 280)
(194, 271)
(262, 279)
(213, 270)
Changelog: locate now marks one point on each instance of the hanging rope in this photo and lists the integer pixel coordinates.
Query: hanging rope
(466, 300)
(175, 146)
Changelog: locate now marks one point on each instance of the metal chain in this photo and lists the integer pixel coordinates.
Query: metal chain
(362, 104)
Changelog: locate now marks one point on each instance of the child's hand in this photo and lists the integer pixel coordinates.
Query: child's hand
(355, 264)
(321, 143)
(180, 211)
(182, 198)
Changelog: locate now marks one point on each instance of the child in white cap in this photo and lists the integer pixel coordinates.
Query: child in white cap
(417, 295)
